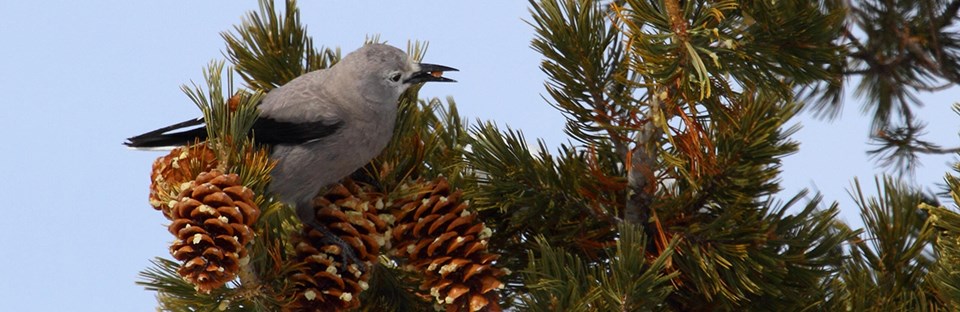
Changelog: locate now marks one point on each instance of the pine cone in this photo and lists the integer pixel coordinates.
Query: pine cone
(322, 284)
(445, 242)
(171, 171)
(212, 223)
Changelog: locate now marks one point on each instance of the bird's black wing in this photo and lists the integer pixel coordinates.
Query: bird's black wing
(272, 132)
(164, 138)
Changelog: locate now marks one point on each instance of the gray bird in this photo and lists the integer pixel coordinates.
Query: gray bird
(323, 125)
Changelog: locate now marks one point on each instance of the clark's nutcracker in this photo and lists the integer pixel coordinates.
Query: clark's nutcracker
(323, 125)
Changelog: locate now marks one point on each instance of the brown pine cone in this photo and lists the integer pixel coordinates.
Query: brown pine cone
(212, 223)
(445, 242)
(170, 172)
(322, 283)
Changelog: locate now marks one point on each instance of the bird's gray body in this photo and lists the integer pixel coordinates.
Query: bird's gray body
(356, 93)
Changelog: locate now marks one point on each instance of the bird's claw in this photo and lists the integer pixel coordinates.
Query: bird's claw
(348, 255)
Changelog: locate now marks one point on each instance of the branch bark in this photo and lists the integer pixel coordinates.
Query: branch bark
(641, 180)
(640, 176)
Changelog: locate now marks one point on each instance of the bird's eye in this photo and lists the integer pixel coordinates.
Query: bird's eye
(396, 77)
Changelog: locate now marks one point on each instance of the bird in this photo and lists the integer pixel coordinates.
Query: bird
(322, 125)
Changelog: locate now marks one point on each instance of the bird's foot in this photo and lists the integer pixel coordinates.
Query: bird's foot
(347, 254)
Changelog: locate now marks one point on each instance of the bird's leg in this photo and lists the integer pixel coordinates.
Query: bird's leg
(363, 175)
(346, 251)
(307, 216)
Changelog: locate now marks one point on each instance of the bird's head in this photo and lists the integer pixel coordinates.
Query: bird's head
(386, 72)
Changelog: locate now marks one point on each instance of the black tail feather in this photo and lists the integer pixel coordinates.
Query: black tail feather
(265, 131)
(160, 137)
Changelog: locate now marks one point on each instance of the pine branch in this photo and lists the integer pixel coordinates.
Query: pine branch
(228, 127)
(900, 147)
(559, 280)
(949, 14)
(889, 269)
(522, 194)
(945, 276)
(174, 293)
(945, 223)
(389, 291)
(585, 64)
(907, 47)
(270, 49)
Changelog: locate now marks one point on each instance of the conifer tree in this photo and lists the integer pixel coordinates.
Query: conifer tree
(666, 197)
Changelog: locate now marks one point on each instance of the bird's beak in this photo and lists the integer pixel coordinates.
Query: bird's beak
(430, 72)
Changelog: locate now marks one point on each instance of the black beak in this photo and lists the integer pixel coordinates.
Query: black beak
(430, 72)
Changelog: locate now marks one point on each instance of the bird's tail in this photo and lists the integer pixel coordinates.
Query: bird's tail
(166, 137)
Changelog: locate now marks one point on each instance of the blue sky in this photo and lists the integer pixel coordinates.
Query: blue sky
(79, 77)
